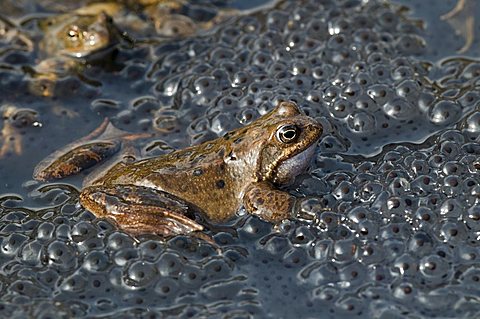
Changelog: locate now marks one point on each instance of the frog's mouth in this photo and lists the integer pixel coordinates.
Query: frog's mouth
(290, 168)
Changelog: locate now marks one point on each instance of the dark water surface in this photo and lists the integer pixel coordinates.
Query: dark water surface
(397, 168)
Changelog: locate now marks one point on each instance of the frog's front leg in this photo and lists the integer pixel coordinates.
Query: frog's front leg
(140, 210)
(268, 203)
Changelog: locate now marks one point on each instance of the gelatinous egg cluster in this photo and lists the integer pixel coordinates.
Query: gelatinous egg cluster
(388, 216)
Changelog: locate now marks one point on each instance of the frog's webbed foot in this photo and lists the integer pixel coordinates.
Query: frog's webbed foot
(97, 146)
(139, 210)
(268, 203)
(462, 19)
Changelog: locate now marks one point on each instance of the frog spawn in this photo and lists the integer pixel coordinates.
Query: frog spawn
(360, 78)
(399, 235)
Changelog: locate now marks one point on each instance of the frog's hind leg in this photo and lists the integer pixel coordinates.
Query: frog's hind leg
(96, 147)
(140, 210)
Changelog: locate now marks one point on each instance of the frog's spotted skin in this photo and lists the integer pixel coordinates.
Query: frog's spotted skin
(217, 177)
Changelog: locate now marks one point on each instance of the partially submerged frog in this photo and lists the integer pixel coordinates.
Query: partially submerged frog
(70, 40)
(216, 178)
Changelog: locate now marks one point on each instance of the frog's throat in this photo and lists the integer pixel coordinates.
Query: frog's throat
(288, 169)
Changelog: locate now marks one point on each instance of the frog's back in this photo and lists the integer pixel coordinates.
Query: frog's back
(199, 175)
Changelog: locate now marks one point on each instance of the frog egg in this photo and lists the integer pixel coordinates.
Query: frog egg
(340, 108)
(363, 36)
(361, 122)
(351, 91)
(399, 108)
(424, 101)
(435, 269)
(408, 86)
(353, 274)
(363, 79)
(359, 214)
(367, 229)
(327, 221)
(294, 258)
(410, 44)
(380, 93)
(444, 113)
(254, 228)
(420, 244)
(451, 185)
(466, 254)
(118, 240)
(167, 288)
(124, 255)
(47, 278)
(61, 255)
(45, 231)
(376, 58)
(449, 149)
(380, 73)
(472, 123)
(74, 283)
(364, 102)
(425, 215)
(192, 276)
(470, 277)
(332, 144)
(472, 218)
(370, 190)
(371, 254)
(32, 253)
(140, 274)
(399, 186)
(301, 236)
(469, 99)
(82, 231)
(345, 191)
(453, 233)
(204, 84)
(170, 265)
(150, 250)
(451, 208)
(345, 250)
(321, 249)
(96, 261)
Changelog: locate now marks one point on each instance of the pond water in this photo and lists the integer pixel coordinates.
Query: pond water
(389, 219)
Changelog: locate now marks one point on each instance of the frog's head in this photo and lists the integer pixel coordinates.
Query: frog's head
(289, 142)
(84, 35)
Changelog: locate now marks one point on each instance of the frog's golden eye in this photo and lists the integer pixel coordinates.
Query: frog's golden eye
(287, 133)
(73, 34)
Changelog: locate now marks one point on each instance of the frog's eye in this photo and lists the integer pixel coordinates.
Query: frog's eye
(287, 133)
(73, 34)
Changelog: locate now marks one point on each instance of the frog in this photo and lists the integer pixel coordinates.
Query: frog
(214, 180)
(70, 41)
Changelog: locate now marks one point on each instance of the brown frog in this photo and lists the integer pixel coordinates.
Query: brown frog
(70, 41)
(216, 178)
